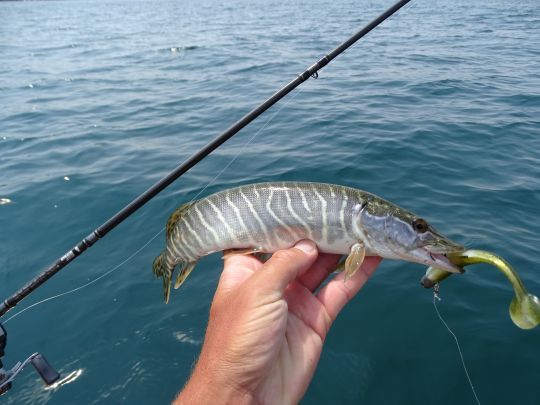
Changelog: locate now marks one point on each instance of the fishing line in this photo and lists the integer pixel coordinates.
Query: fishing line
(243, 148)
(112, 270)
(435, 299)
(90, 282)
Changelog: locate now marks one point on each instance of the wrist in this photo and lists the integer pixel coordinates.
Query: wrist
(207, 385)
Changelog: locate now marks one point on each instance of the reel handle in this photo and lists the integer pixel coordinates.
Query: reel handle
(47, 373)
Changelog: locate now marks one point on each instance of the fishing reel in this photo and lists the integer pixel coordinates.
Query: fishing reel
(47, 373)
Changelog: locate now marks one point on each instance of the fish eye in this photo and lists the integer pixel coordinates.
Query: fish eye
(420, 225)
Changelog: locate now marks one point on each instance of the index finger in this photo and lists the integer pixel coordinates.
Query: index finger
(338, 292)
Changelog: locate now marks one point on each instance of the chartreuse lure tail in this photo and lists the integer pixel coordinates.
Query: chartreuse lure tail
(524, 308)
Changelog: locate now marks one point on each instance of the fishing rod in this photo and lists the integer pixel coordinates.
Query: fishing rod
(142, 199)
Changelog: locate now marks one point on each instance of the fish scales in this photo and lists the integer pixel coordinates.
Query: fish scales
(267, 217)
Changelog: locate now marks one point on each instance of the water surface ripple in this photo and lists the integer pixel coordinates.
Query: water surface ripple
(437, 110)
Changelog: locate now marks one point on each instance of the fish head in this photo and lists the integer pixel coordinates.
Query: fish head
(395, 233)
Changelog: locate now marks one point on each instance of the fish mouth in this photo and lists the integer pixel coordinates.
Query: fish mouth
(438, 259)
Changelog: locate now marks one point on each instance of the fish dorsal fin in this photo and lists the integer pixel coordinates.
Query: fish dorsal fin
(176, 215)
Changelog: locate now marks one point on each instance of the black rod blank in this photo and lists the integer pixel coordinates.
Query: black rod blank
(142, 199)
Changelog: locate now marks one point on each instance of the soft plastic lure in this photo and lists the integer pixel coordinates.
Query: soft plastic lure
(524, 308)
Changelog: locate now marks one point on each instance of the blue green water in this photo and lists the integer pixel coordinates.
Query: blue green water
(437, 110)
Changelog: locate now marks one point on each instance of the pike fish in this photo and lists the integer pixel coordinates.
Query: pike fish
(266, 217)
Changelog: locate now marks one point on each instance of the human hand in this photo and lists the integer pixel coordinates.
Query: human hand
(267, 326)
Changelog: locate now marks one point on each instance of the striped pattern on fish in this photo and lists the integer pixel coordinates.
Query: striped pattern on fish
(266, 217)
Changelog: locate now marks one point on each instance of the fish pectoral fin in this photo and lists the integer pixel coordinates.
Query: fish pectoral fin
(355, 259)
(247, 251)
(183, 274)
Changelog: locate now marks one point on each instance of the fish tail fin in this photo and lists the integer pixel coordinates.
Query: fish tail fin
(162, 269)
(163, 265)
(183, 274)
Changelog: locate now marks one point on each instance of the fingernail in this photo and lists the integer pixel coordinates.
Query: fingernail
(306, 246)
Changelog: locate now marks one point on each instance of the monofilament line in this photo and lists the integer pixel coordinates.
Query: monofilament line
(110, 271)
(435, 299)
(113, 269)
(244, 147)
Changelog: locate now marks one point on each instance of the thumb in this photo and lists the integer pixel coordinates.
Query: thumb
(285, 265)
